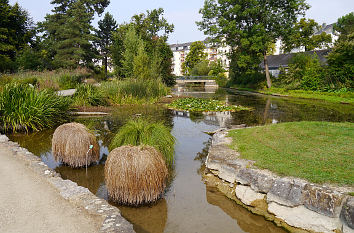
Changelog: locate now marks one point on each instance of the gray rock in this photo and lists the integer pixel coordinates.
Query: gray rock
(3, 138)
(323, 200)
(347, 213)
(260, 181)
(168, 96)
(247, 195)
(287, 191)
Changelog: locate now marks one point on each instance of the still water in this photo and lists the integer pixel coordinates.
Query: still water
(188, 205)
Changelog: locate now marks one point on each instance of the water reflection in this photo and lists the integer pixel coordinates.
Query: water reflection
(188, 205)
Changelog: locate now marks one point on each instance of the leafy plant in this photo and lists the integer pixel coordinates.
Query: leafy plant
(24, 108)
(88, 95)
(203, 105)
(143, 132)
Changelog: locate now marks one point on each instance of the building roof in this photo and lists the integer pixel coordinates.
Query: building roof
(328, 29)
(185, 46)
(275, 61)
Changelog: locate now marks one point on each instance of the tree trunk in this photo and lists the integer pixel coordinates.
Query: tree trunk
(269, 82)
(105, 66)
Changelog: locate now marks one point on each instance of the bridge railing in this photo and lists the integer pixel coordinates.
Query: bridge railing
(195, 78)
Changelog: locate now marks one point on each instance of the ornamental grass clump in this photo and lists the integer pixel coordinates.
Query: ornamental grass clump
(23, 108)
(71, 145)
(135, 175)
(88, 95)
(143, 132)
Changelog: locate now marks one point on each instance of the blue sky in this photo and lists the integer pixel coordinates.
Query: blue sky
(184, 13)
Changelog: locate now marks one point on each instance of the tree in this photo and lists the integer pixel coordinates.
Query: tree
(341, 58)
(195, 56)
(104, 36)
(132, 43)
(249, 28)
(69, 31)
(303, 35)
(16, 31)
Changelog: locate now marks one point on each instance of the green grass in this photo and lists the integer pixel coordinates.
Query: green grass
(23, 108)
(143, 132)
(134, 91)
(335, 96)
(321, 152)
(203, 105)
(88, 95)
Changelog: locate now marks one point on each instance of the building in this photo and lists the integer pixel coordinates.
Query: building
(180, 52)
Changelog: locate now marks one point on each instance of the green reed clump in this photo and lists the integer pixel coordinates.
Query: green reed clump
(88, 95)
(134, 91)
(23, 108)
(143, 132)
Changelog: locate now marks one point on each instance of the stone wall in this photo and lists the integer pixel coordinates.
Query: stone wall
(79, 196)
(292, 203)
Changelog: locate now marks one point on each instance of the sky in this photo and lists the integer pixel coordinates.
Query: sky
(184, 13)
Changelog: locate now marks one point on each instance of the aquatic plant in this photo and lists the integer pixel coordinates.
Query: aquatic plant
(23, 108)
(134, 91)
(71, 145)
(135, 175)
(203, 105)
(142, 132)
(88, 95)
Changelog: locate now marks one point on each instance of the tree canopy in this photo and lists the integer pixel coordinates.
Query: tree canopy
(195, 56)
(249, 27)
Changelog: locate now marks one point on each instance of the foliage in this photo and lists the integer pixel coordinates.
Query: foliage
(143, 132)
(88, 95)
(303, 35)
(305, 72)
(250, 79)
(201, 69)
(69, 81)
(16, 30)
(152, 30)
(320, 152)
(69, 31)
(104, 37)
(195, 56)
(249, 27)
(133, 91)
(216, 68)
(203, 105)
(24, 108)
(341, 58)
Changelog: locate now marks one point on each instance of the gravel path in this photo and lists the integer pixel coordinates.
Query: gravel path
(29, 204)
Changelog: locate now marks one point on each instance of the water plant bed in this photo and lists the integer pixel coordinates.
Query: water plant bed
(321, 152)
(204, 105)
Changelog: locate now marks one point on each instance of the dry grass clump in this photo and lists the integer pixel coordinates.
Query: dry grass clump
(135, 175)
(70, 144)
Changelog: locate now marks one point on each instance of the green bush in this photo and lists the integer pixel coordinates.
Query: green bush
(68, 81)
(88, 95)
(142, 132)
(22, 108)
(250, 79)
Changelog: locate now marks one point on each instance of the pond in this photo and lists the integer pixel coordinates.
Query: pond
(188, 205)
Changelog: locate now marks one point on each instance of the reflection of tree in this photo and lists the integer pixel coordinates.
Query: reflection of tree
(245, 219)
(266, 111)
(147, 218)
(201, 156)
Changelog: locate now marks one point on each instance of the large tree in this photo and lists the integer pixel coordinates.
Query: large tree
(106, 27)
(303, 34)
(195, 56)
(16, 31)
(68, 29)
(249, 27)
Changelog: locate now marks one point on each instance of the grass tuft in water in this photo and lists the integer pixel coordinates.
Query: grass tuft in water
(143, 132)
(88, 95)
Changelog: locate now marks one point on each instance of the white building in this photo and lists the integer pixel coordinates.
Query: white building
(180, 52)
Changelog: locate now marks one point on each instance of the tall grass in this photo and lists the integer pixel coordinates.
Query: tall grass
(88, 95)
(143, 132)
(23, 108)
(134, 91)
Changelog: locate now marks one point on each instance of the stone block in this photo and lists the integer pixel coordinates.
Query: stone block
(3, 138)
(228, 173)
(304, 218)
(347, 213)
(287, 191)
(323, 200)
(247, 195)
(260, 181)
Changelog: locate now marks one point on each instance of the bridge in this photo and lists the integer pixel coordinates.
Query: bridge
(206, 80)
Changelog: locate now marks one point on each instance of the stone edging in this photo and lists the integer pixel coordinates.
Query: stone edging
(290, 202)
(79, 196)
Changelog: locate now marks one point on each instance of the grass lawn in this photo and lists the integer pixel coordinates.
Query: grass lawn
(321, 152)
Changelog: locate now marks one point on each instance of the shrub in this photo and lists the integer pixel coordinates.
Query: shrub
(24, 108)
(88, 95)
(143, 132)
(68, 81)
